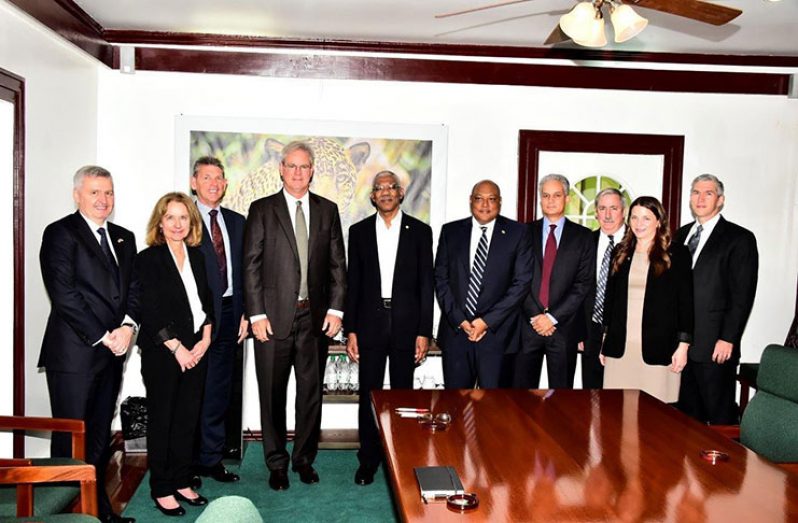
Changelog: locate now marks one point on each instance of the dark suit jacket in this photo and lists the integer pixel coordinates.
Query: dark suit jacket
(572, 277)
(86, 301)
(667, 309)
(412, 290)
(725, 277)
(234, 223)
(271, 262)
(165, 311)
(506, 280)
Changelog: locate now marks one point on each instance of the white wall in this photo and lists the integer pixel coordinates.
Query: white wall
(748, 141)
(60, 135)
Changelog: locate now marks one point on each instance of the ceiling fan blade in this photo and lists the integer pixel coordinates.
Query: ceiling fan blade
(482, 8)
(557, 36)
(695, 9)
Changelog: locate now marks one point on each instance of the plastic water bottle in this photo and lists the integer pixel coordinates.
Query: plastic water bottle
(341, 377)
(353, 377)
(329, 375)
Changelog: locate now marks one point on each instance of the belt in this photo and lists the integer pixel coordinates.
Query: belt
(386, 303)
(303, 304)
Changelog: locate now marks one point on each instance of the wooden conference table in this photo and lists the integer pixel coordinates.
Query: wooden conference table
(575, 455)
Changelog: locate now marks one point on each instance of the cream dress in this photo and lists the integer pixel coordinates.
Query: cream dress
(630, 371)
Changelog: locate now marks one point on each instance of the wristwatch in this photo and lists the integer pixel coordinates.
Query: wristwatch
(133, 327)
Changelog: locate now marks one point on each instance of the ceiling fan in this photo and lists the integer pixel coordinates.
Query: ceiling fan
(584, 24)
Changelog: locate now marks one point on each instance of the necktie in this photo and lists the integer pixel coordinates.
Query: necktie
(692, 243)
(218, 248)
(301, 233)
(549, 255)
(106, 247)
(477, 270)
(601, 286)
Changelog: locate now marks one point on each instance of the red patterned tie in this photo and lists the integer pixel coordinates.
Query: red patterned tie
(218, 247)
(549, 255)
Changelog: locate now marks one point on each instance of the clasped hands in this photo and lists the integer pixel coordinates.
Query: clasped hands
(543, 324)
(118, 340)
(188, 359)
(475, 329)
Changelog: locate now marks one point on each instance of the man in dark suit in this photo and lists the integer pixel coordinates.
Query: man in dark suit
(388, 305)
(87, 268)
(725, 267)
(295, 276)
(610, 214)
(222, 246)
(565, 258)
(483, 269)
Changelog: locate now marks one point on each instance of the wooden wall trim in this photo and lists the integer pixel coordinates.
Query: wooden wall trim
(338, 67)
(12, 89)
(531, 143)
(497, 51)
(71, 22)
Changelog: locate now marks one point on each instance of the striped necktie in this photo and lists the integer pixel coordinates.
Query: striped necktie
(601, 286)
(477, 270)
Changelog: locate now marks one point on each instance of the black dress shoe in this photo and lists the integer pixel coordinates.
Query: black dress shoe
(195, 481)
(220, 473)
(307, 474)
(177, 511)
(199, 501)
(278, 479)
(116, 518)
(365, 475)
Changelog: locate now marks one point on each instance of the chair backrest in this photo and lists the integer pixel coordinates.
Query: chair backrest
(770, 423)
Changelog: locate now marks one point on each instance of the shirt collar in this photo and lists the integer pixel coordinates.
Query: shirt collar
(291, 201)
(476, 225)
(397, 220)
(92, 225)
(204, 209)
(559, 223)
(617, 236)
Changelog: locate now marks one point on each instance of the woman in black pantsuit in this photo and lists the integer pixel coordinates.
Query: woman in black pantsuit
(175, 334)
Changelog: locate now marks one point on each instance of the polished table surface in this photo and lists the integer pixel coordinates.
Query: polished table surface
(577, 455)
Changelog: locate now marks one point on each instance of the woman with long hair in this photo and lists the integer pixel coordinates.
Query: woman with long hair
(176, 312)
(648, 308)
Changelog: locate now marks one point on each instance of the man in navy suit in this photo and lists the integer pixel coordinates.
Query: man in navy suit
(222, 245)
(87, 268)
(388, 305)
(725, 270)
(565, 258)
(483, 269)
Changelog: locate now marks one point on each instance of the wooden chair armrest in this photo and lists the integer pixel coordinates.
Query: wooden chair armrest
(25, 476)
(15, 462)
(74, 426)
(44, 424)
(729, 431)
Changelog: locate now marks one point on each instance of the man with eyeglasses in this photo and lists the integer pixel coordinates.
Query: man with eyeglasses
(483, 270)
(388, 305)
(295, 281)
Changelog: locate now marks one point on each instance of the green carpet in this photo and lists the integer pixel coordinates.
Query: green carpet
(334, 498)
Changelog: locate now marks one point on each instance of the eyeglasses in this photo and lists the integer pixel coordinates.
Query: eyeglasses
(391, 187)
(294, 167)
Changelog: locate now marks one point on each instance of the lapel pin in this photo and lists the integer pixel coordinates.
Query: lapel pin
(503, 232)
(407, 226)
(120, 240)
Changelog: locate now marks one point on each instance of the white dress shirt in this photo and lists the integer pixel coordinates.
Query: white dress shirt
(603, 243)
(387, 246)
(206, 217)
(708, 227)
(190, 285)
(476, 234)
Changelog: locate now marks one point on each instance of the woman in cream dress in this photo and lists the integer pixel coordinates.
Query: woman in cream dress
(648, 319)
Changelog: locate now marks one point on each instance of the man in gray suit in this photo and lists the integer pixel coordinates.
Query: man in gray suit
(295, 281)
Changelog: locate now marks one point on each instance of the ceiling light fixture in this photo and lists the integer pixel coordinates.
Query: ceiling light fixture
(584, 24)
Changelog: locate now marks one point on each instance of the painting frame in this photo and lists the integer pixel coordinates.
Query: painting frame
(533, 142)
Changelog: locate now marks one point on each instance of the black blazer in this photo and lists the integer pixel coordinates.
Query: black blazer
(234, 223)
(165, 311)
(725, 276)
(667, 309)
(412, 291)
(86, 302)
(271, 262)
(572, 277)
(506, 279)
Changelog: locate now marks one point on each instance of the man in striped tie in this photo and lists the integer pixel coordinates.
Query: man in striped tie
(483, 269)
(610, 214)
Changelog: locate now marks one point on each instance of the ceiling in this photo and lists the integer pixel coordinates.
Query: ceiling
(764, 28)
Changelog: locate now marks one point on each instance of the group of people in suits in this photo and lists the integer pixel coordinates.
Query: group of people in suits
(628, 297)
